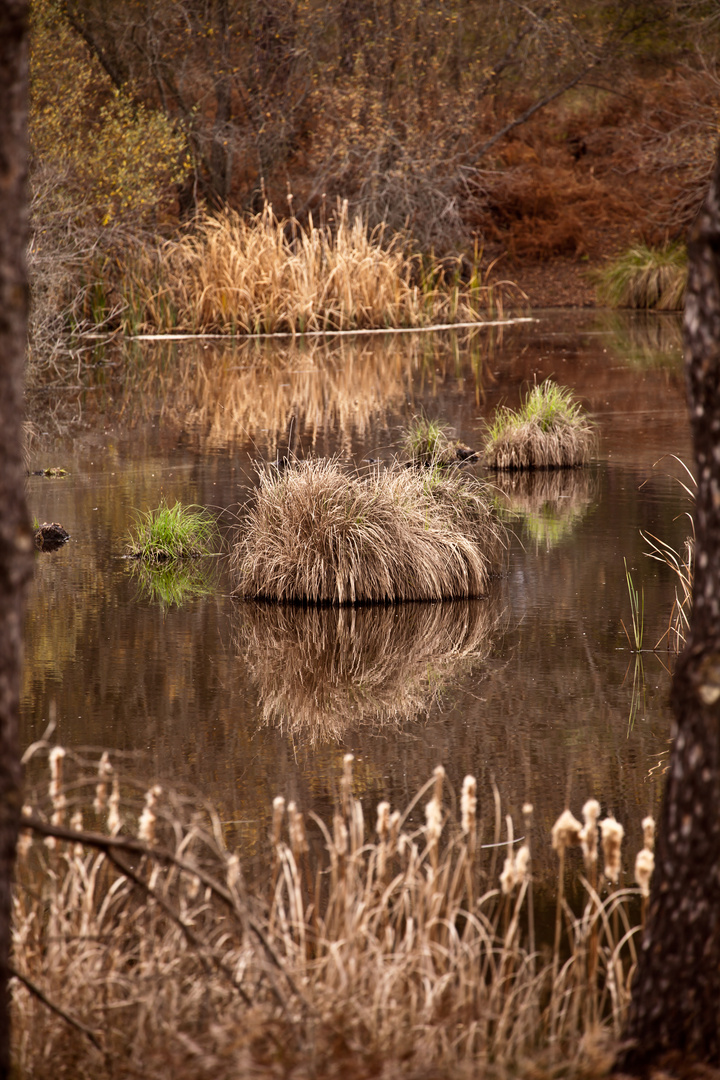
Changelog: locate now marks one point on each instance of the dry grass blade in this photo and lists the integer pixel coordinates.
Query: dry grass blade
(317, 534)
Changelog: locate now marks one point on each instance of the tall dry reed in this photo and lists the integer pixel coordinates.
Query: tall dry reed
(318, 534)
(368, 948)
(264, 274)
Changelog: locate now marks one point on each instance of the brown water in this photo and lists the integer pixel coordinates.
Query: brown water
(531, 688)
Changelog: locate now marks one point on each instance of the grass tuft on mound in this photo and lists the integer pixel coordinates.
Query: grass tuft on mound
(172, 532)
(429, 442)
(646, 277)
(549, 431)
(317, 534)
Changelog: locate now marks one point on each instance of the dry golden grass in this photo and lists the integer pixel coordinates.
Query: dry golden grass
(321, 670)
(318, 534)
(264, 274)
(549, 431)
(367, 949)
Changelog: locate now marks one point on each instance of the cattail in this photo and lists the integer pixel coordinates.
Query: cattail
(468, 805)
(56, 758)
(648, 827)
(296, 828)
(612, 834)
(588, 835)
(346, 783)
(433, 819)
(114, 821)
(395, 819)
(191, 886)
(278, 812)
(105, 771)
(148, 819)
(341, 834)
(76, 822)
(383, 820)
(439, 774)
(644, 866)
(508, 877)
(565, 832)
(233, 872)
(522, 863)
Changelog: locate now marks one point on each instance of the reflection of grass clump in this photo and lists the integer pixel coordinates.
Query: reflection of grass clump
(172, 532)
(644, 340)
(549, 431)
(320, 671)
(174, 581)
(317, 534)
(645, 277)
(549, 504)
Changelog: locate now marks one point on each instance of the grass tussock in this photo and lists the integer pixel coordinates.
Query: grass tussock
(317, 534)
(264, 274)
(549, 431)
(170, 533)
(371, 948)
(320, 671)
(429, 442)
(645, 277)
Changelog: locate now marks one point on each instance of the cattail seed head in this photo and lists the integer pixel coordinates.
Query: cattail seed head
(114, 821)
(648, 827)
(589, 834)
(644, 866)
(383, 820)
(76, 822)
(56, 758)
(565, 832)
(508, 878)
(296, 828)
(433, 819)
(25, 838)
(148, 819)
(439, 774)
(522, 863)
(468, 804)
(347, 781)
(233, 871)
(612, 834)
(278, 813)
(105, 771)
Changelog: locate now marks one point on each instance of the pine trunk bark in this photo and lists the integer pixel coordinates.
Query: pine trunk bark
(675, 1010)
(16, 549)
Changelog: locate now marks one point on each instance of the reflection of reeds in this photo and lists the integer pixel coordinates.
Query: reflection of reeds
(644, 340)
(319, 534)
(251, 391)
(320, 671)
(549, 503)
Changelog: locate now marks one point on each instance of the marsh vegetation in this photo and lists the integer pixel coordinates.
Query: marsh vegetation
(549, 431)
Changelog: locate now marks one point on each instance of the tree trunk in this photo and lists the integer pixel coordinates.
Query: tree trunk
(675, 1009)
(15, 540)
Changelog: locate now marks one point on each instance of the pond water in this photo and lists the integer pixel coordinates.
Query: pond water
(531, 688)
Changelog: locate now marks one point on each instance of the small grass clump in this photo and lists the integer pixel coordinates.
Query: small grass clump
(170, 533)
(430, 442)
(317, 534)
(646, 277)
(549, 431)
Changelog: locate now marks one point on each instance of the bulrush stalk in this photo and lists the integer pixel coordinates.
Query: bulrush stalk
(645, 862)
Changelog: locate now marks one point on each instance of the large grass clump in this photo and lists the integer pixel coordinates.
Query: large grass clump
(549, 431)
(264, 274)
(387, 945)
(318, 534)
(646, 277)
(171, 533)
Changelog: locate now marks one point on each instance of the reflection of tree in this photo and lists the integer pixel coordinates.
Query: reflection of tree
(322, 670)
(549, 503)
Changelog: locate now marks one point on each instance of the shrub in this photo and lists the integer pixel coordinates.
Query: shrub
(320, 535)
(645, 277)
(549, 431)
(172, 532)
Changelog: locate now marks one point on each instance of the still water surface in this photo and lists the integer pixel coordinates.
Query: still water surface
(530, 688)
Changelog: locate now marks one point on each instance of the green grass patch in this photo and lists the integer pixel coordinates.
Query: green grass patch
(549, 431)
(174, 532)
(646, 277)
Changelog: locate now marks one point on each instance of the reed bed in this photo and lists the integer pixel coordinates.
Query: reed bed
(398, 946)
(549, 431)
(320, 671)
(265, 274)
(317, 534)
(645, 277)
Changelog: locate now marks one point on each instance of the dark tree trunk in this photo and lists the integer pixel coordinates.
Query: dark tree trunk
(675, 1010)
(15, 540)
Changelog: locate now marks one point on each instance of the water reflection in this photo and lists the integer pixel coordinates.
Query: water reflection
(175, 582)
(548, 504)
(323, 671)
